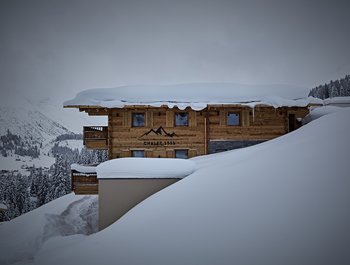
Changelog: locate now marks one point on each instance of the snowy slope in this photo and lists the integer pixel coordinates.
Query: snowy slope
(24, 235)
(23, 119)
(72, 119)
(72, 144)
(285, 201)
(318, 112)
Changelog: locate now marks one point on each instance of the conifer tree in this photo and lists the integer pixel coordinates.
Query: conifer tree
(60, 180)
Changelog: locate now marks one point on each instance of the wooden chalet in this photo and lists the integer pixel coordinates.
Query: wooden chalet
(167, 126)
(144, 131)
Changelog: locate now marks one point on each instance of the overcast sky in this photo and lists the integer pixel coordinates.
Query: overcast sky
(58, 48)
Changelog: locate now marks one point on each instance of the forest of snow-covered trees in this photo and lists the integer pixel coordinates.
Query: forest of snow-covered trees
(22, 193)
(13, 143)
(337, 88)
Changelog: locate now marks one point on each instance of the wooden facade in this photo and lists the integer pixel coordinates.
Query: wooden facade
(205, 131)
(84, 183)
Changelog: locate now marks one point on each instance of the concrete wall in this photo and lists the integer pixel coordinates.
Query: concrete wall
(118, 196)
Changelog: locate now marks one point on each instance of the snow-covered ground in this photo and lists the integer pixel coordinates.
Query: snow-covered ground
(25, 120)
(21, 163)
(285, 201)
(72, 144)
(318, 112)
(26, 234)
(71, 118)
(338, 101)
(38, 123)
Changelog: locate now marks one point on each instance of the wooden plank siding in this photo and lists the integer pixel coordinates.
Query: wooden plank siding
(84, 183)
(95, 137)
(259, 124)
(124, 138)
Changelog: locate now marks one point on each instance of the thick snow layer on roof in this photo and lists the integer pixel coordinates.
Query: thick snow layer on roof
(319, 112)
(83, 169)
(136, 167)
(3, 206)
(196, 96)
(337, 100)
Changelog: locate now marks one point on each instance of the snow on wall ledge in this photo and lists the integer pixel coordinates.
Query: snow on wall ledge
(196, 96)
(83, 168)
(134, 167)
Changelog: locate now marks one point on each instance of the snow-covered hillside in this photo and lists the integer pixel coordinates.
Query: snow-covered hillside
(69, 215)
(70, 118)
(24, 120)
(281, 202)
(24, 126)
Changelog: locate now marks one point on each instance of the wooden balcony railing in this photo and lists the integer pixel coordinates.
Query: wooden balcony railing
(95, 137)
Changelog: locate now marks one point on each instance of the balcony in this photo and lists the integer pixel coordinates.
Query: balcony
(84, 183)
(95, 137)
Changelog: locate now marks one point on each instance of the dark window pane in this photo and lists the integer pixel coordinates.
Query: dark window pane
(138, 153)
(181, 154)
(233, 119)
(181, 119)
(138, 119)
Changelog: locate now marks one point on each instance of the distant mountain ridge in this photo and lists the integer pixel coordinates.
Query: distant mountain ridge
(31, 125)
(27, 135)
(337, 88)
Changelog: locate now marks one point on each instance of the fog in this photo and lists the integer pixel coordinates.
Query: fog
(54, 49)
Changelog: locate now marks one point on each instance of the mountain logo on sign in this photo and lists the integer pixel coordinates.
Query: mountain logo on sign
(160, 132)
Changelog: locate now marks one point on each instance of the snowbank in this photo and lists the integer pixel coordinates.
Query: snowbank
(285, 201)
(196, 96)
(83, 169)
(135, 167)
(319, 112)
(23, 236)
(338, 101)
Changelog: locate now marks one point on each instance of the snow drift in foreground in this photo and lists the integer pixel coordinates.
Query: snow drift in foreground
(285, 201)
(23, 236)
(319, 112)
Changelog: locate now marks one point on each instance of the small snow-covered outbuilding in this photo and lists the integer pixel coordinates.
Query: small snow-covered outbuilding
(125, 182)
(188, 120)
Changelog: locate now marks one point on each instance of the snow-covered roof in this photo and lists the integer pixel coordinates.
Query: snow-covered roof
(136, 167)
(196, 96)
(337, 101)
(83, 168)
(319, 112)
(3, 206)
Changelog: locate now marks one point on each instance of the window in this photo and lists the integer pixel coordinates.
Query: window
(233, 119)
(138, 119)
(181, 154)
(181, 119)
(138, 153)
